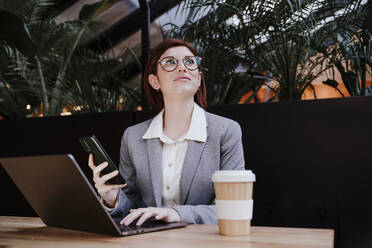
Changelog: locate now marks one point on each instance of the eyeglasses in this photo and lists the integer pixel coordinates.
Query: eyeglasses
(170, 63)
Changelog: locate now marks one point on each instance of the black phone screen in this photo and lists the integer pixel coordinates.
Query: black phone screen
(92, 145)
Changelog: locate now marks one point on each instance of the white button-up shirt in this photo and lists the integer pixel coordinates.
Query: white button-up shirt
(174, 151)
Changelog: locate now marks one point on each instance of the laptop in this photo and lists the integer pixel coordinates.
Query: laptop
(62, 196)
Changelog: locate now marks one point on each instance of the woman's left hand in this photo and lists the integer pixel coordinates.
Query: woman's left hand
(166, 214)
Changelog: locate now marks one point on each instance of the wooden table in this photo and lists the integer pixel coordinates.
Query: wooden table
(32, 232)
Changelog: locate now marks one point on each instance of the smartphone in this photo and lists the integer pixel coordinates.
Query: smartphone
(92, 145)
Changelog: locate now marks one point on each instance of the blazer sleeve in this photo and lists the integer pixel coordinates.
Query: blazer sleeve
(129, 197)
(231, 158)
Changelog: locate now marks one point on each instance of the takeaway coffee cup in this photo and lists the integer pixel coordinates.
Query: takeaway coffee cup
(234, 203)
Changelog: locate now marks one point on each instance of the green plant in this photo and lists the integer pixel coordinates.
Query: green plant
(60, 72)
(353, 59)
(287, 41)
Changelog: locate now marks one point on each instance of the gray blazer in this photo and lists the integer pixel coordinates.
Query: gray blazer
(141, 167)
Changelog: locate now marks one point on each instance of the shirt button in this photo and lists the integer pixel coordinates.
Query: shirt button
(168, 188)
(169, 165)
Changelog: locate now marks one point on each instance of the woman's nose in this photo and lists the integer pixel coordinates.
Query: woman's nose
(181, 67)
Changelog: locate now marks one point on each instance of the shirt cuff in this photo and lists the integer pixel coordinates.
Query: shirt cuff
(108, 209)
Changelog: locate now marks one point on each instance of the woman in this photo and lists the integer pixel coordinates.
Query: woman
(168, 161)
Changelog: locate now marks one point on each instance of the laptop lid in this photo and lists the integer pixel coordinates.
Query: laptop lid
(59, 192)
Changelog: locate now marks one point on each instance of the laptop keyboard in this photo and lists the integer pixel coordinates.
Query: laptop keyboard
(150, 223)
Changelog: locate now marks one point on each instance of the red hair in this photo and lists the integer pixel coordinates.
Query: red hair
(155, 98)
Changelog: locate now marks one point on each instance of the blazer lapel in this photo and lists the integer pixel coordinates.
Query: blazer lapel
(155, 154)
(192, 159)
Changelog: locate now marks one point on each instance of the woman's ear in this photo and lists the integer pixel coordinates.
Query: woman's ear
(154, 81)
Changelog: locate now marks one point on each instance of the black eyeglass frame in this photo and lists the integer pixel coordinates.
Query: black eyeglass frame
(183, 62)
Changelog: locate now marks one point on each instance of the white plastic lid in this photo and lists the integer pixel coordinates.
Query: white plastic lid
(233, 176)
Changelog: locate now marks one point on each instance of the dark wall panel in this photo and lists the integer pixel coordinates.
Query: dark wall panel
(313, 164)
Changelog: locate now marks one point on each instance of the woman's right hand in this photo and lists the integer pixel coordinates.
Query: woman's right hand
(109, 193)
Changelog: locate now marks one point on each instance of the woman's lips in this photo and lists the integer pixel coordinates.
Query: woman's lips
(182, 78)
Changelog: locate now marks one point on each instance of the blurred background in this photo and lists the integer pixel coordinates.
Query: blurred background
(85, 56)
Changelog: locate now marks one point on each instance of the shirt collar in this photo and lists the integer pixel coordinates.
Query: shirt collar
(155, 130)
(197, 130)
